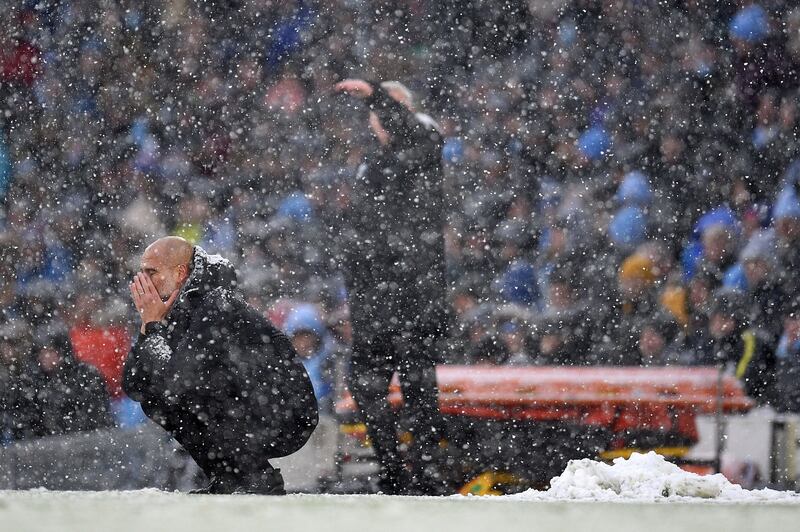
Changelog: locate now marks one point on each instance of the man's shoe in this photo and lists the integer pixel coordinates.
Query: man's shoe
(224, 484)
(209, 489)
(394, 482)
(269, 482)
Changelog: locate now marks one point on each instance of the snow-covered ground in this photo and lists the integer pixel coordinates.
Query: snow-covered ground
(644, 493)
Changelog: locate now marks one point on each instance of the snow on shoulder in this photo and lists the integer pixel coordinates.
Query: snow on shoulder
(646, 477)
(217, 259)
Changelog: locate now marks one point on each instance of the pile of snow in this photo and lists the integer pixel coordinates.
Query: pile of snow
(645, 477)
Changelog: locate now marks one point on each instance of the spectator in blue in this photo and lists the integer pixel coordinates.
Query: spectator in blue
(757, 275)
(751, 24)
(311, 339)
(297, 207)
(634, 190)
(594, 143)
(630, 223)
(5, 167)
(287, 35)
(453, 150)
(713, 244)
(627, 229)
(43, 261)
(786, 218)
(517, 282)
(759, 62)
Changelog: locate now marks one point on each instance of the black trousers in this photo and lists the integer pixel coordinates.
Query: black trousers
(380, 350)
(223, 447)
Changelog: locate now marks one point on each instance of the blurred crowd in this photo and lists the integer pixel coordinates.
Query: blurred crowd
(622, 176)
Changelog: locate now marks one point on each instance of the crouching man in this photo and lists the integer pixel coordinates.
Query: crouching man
(213, 372)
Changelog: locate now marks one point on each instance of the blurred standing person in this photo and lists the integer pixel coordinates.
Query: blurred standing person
(760, 275)
(741, 349)
(70, 395)
(393, 255)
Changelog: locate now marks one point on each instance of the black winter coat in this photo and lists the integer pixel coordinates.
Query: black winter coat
(73, 398)
(392, 244)
(222, 379)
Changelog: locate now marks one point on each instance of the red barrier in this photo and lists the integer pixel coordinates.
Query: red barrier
(512, 390)
(659, 399)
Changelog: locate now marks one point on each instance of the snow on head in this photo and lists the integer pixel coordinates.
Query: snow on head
(645, 477)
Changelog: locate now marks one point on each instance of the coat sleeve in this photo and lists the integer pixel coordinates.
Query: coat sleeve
(156, 371)
(146, 363)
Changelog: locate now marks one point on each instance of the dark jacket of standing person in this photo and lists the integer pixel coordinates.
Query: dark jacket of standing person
(393, 247)
(224, 381)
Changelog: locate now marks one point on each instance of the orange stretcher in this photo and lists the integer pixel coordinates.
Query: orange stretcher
(664, 399)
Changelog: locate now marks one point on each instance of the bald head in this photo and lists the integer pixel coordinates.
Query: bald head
(167, 262)
(171, 250)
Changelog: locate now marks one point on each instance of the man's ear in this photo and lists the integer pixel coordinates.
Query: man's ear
(183, 272)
